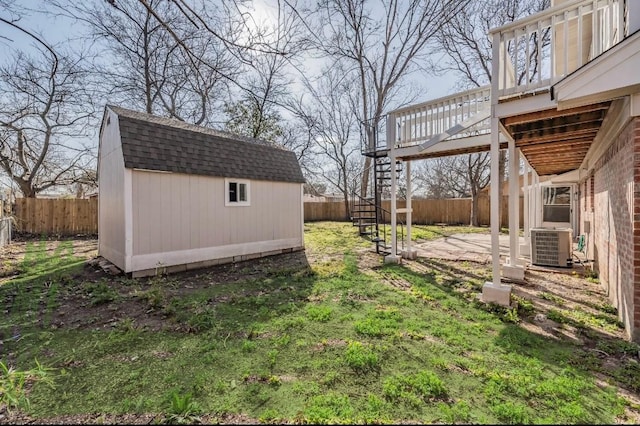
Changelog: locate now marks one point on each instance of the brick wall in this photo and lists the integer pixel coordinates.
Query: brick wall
(616, 223)
(635, 130)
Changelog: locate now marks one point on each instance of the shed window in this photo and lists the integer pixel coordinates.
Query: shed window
(237, 192)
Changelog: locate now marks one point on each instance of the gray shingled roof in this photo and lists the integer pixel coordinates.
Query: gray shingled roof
(157, 143)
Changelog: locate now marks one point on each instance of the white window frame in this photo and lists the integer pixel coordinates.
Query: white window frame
(569, 205)
(227, 201)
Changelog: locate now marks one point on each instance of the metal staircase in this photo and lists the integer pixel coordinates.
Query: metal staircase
(367, 213)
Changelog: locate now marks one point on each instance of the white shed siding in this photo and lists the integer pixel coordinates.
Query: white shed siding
(111, 227)
(182, 217)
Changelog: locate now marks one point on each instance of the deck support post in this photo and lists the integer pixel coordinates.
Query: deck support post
(536, 197)
(526, 210)
(409, 252)
(393, 257)
(512, 269)
(494, 291)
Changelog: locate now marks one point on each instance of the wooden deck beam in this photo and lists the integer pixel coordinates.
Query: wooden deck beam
(552, 113)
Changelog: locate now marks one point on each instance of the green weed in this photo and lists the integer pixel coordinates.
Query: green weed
(331, 408)
(100, 293)
(458, 412)
(557, 316)
(381, 322)
(512, 413)
(414, 389)
(552, 298)
(524, 306)
(182, 409)
(14, 383)
(319, 313)
(249, 346)
(361, 358)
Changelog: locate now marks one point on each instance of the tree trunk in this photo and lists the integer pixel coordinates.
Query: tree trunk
(364, 184)
(346, 206)
(27, 190)
(474, 208)
(345, 193)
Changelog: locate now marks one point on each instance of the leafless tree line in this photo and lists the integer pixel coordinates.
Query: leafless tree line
(317, 77)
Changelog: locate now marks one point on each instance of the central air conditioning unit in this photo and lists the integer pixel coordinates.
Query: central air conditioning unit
(551, 247)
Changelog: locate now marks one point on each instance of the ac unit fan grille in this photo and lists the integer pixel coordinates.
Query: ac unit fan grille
(546, 246)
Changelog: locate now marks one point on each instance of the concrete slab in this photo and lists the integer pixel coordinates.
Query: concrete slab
(499, 294)
(392, 259)
(410, 254)
(472, 247)
(513, 272)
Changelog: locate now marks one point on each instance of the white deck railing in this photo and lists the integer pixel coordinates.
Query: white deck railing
(535, 52)
(416, 124)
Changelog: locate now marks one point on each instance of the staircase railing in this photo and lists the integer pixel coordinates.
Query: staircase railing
(418, 123)
(535, 52)
(367, 213)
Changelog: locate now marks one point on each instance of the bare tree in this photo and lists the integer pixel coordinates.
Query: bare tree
(45, 105)
(234, 25)
(265, 84)
(468, 45)
(381, 44)
(456, 177)
(151, 69)
(331, 121)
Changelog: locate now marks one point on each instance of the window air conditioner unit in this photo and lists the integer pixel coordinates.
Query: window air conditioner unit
(551, 247)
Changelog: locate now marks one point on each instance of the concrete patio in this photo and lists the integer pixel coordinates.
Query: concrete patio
(474, 247)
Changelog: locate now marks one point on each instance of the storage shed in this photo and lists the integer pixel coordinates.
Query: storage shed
(175, 196)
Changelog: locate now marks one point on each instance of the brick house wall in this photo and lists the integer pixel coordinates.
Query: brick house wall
(611, 198)
(635, 332)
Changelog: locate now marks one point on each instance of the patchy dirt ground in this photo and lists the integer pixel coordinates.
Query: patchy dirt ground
(550, 293)
(546, 288)
(78, 308)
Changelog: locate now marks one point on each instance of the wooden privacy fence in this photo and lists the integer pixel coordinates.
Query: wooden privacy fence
(330, 210)
(57, 216)
(452, 211)
(75, 216)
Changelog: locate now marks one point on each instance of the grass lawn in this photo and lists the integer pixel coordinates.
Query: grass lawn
(326, 336)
